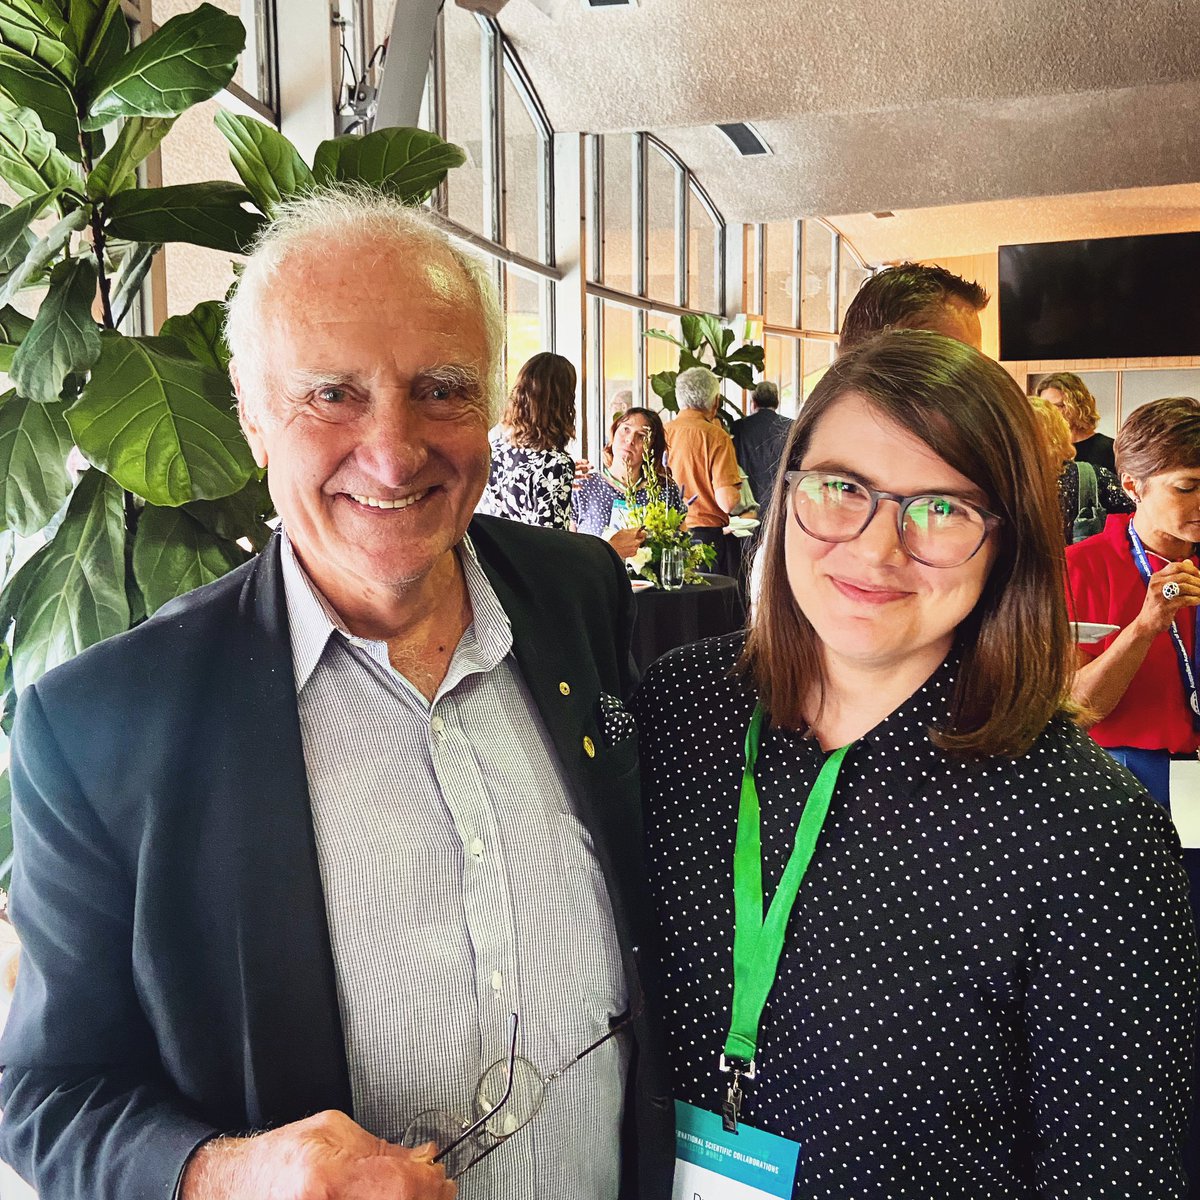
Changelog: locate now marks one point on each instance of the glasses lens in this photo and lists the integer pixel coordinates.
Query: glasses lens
(528, 1088)
(941, 531)
(443, 1129)
(829, 507)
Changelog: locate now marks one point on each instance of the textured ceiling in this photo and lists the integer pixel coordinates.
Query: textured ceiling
(869, 105)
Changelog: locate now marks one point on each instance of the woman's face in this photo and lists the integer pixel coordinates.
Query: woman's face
(1168, 509)
(631, 438)
(870, 604)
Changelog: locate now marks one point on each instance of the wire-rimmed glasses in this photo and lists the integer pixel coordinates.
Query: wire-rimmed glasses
(935, 529)
(508, 1096)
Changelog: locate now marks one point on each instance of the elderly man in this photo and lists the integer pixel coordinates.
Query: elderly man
(701, 458)
(759, 439)
(382, 794)
(914, 296)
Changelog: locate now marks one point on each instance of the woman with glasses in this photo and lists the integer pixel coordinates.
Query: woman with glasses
(919, 936)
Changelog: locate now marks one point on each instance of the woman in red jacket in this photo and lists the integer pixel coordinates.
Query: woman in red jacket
(1141, 574)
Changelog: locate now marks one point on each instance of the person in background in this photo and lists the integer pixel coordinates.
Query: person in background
(702, 460)
(619, 402)
(758, 441)
(986, 981)
(1085, 493)
(1138, 685)
(531, 473)
(1072, 397)
(914, 296)
(599, 505)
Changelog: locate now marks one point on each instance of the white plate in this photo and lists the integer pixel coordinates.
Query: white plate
(1087, 632)
(640, 585)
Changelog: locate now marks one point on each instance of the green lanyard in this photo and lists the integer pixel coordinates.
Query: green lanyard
(758, 943)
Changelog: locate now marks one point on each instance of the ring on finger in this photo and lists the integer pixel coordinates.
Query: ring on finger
(1170, 590)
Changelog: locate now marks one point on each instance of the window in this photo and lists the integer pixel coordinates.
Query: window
(703, 245)
(660, 356)
(851, 277)
(618, 211)
(524, 335)
(617, 361)
(778, 307)
(816, 355)
(661, 225)
(780, 369)
(524, 177)
(817, 296)
(465, 48)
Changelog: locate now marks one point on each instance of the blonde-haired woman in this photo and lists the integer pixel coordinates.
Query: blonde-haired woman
(1086, 494)
(1072, 397)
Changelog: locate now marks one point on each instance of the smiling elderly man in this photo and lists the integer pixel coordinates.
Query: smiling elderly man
(382, 795)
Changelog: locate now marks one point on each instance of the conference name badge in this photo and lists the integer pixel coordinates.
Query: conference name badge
(711, 1164)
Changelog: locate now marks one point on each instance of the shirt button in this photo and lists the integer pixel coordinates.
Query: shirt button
(589, 747)
(476, 847)
(437, 724)
(565, 688)
(497, 981)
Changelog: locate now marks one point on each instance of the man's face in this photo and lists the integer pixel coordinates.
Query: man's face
(371, 413)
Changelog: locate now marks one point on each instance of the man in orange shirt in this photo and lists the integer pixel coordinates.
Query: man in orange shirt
(701, 457)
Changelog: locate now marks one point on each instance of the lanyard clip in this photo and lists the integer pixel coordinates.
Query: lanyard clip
(731, 1110)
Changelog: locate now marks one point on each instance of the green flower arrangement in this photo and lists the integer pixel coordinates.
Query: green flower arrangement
(664, 527)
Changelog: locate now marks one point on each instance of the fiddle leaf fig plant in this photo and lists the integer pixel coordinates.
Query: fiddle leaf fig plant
(706, 342)
(124, 476)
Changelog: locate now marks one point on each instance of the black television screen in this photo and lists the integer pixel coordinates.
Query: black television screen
(1125, 297)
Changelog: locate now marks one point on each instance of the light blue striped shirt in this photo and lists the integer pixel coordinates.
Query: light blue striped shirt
(460, 887)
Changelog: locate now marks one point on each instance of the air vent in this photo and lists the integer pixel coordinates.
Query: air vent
(746, 138)
(609, 3)
(883, 216)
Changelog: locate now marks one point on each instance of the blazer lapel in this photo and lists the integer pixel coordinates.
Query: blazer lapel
(295, 1052)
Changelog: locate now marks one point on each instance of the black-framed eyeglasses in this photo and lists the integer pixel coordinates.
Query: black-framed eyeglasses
(508, 1096)
(934, 529)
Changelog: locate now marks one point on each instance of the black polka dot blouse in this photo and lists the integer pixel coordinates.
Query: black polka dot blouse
(988, 983)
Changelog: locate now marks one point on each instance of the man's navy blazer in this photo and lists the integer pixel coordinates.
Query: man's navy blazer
(176, 976)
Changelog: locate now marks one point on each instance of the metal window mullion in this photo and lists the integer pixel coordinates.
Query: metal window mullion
(596, 443)
(492, 102)
(640, 237)
(681, 237)
(798, 273)
(798, 370)
(596, 232)
(760, 265)
(639, 356)
(437, 98)
(719, 266)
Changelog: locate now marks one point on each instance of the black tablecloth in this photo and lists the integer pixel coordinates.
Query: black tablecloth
(669, 619)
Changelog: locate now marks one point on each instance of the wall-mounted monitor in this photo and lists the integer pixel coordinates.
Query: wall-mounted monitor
(1126, 297)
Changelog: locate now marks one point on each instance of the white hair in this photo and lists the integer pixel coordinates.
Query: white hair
(696, 387)
(322, 222)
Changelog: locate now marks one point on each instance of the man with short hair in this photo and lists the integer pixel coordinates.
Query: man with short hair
(759, 439)
(915, 296)
(701, 458)
(290, 853)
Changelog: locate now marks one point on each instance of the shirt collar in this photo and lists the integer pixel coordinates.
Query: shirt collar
(312, 619)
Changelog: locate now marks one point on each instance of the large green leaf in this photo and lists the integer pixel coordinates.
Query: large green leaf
(189, 59)
(202, 331)
(749, 353)
(739, 373)
(173, 553)
(13, 328)
(102, 35)
(42, 252)
(160, 423)
(408, 163)
(71, 593)
(30, 85)
(30, 162)
(15, 239)
(663, 336)
(134, 269)
(205, 214)
(43, 35)
(244, 514)
(117, 170)
(269, 165)
(34, 481)
(64, 338)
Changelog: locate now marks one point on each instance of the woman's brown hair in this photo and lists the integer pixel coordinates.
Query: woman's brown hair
(1078, 401)
(1016, 649)
(1056, 433)
(540, 413)
(1163, 435)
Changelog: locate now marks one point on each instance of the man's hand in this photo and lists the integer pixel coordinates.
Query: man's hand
(324, 1157)
(627, 542)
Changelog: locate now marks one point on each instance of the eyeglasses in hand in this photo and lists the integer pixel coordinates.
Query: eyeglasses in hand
(508, 1096)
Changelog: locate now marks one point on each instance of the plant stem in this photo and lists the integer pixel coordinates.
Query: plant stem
(97, 223)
